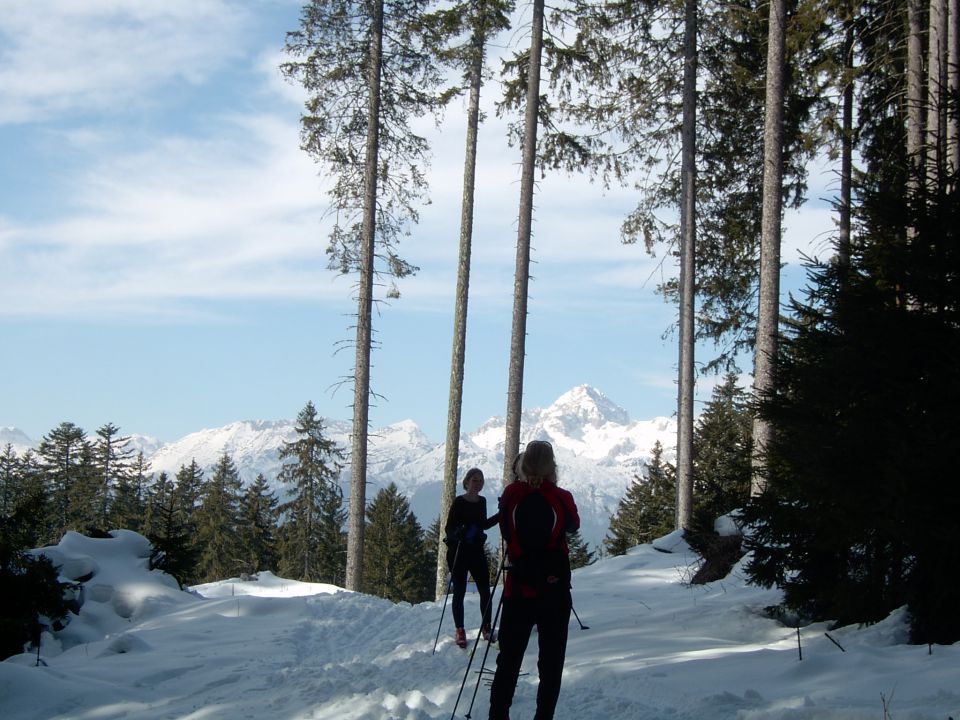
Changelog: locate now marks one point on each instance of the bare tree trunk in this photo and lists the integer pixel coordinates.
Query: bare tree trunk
(455, 400)
(361, 382)
(915, 94)
(953, 88)
(688, 239)
(768, 316)
(846, 151)
(936, 84)
(518, 333)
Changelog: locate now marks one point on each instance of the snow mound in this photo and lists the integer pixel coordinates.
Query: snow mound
(115, 588)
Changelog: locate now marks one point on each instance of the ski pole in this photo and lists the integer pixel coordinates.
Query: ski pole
(440, 625)
(473, 652)
(582, 626)
(446, 597)
(483, 660)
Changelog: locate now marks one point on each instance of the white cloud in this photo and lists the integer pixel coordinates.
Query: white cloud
(235, 216)
(235, 209)
(65, 56)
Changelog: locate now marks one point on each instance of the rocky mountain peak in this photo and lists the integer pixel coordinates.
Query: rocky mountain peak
(585, 405)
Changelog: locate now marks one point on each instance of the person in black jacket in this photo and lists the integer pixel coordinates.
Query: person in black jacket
(464, 535)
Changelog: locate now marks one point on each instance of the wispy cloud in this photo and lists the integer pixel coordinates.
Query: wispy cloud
(66, 56)
(228, 206)
(239, 215)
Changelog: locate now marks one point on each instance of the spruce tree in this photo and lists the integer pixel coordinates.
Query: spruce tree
(580, 553)
(188, 489)
(31, 588)
(129, 502)
(624, 530)
(657, 515)
(311, 547)
(857, 520)
(480, 20)
(370, 68)
(11, 480)
(221, 554)
(397, 568)
(648, 510)
(174, 543)
(258, 523)
(64, 456)
(722, 451)
(112, 461)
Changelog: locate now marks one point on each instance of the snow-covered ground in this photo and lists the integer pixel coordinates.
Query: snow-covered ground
(656, 649)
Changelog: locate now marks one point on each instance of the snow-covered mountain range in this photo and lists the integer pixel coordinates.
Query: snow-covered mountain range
(599, 451)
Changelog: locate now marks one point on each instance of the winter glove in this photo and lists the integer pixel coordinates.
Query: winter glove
(454, 536)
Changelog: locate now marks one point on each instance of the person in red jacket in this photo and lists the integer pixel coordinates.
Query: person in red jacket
(465, 536)
(535, 517)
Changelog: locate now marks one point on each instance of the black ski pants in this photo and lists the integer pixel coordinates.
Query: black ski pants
(471, 559)
(550, 613)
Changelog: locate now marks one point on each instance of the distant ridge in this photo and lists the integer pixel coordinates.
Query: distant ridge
(599, 451)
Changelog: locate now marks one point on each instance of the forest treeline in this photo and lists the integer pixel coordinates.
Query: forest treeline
(203, 526)
(207, 526)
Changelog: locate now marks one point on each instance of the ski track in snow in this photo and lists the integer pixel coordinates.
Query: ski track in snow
(656, 649)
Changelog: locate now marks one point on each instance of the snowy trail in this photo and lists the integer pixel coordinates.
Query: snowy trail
(657, 649)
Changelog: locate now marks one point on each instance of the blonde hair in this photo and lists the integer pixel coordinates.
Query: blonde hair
(515, 470)
(538, 463)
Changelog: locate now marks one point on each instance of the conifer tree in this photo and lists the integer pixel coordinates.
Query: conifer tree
(111, 465)
(258, 518)
(397, 568)
(371, 69)
(312, 547)
(768, 306)
(624, 530)
(221, 554)
(30, 584)
(64, 455)
(434, 546)
(868, 386)
(174, 546)
(481, 20)
(648, 510)
(83, 495)
(530, 87)
(722, 452)
(580, 553)
(857, 518)
(32, 483)
(189, 489)
(129, 502)
(11, 480)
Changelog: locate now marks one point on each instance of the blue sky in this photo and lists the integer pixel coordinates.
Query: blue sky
(162, 242)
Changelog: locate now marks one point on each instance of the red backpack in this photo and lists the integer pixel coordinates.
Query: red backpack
(534, 523)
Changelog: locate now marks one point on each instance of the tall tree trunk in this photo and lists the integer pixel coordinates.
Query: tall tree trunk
(768, 315)
(953, 88)
(915, 96)
(455, 399)
(846, 150)
(936, 84)
(518, 333)
(688, 239)
(361, 383)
